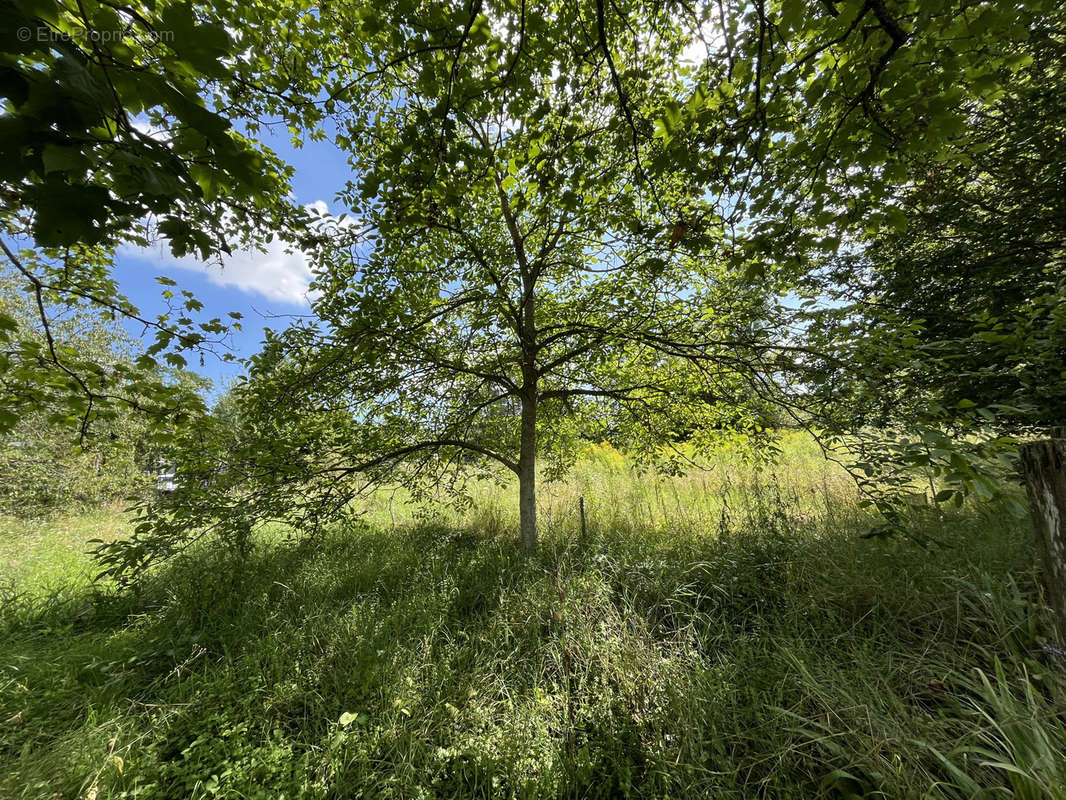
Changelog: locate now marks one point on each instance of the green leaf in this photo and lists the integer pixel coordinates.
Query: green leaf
(8, 420)
(64, 159)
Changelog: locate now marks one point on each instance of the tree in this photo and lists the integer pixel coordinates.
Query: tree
(946, 316)
(116, 126)
(557, 223)
(836, 111)
(515, 277)
(974, 278)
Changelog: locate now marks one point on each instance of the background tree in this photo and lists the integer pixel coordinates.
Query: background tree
(40, 471)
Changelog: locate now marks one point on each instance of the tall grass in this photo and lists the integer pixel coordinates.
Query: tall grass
(726, 633)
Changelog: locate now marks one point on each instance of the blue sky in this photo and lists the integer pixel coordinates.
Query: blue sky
(264, 287)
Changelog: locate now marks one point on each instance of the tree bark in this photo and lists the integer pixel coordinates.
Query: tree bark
(527, 475)
(526, 328)
(1044, 468)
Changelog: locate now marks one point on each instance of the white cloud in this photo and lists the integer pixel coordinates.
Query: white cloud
(274, 274)
(280, 272)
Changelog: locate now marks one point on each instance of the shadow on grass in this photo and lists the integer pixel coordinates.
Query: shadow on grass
(430, 662)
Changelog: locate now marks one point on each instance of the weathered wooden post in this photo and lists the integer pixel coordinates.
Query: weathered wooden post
(1044, 469)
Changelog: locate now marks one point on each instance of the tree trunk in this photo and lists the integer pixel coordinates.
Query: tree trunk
(527, 475)
(1044, 467)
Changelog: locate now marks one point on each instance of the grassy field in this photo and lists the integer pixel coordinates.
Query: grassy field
(724, 634)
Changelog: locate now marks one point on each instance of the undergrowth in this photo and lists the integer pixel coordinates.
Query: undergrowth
(750, 645)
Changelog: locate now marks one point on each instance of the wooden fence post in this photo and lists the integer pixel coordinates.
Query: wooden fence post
(1044, 469)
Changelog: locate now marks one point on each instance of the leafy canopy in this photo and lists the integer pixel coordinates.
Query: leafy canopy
(118, 126)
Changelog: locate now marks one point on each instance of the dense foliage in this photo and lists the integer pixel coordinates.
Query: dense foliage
(970, 285)
(110, 116)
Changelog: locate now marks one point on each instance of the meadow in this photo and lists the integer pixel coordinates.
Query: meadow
(727, 633)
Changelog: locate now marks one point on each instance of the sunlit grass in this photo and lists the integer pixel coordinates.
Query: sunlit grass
(618, 494)
(725, 633)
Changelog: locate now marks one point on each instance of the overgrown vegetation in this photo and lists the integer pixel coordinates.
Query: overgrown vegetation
(676, 227)
(725, 633)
